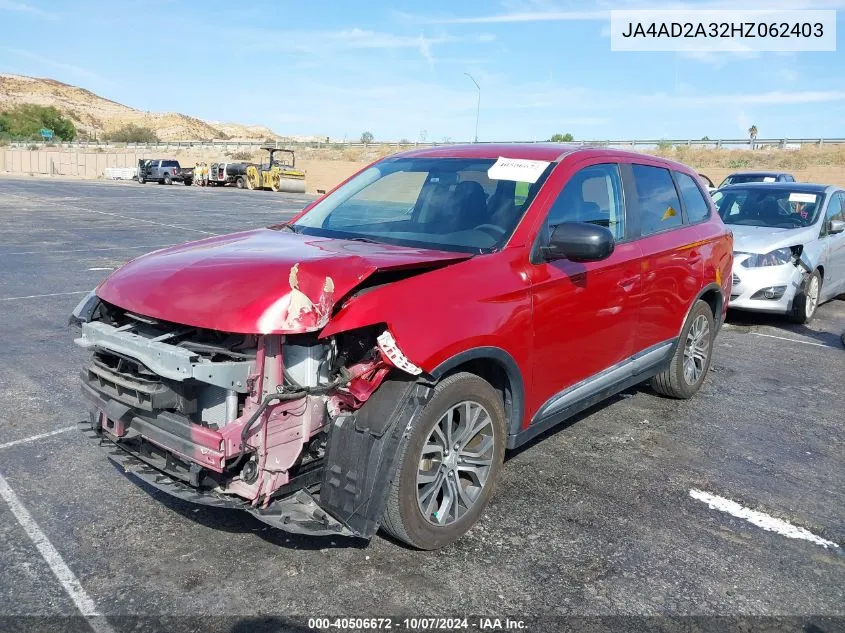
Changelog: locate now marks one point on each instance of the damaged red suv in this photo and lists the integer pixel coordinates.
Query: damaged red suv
(368, 363)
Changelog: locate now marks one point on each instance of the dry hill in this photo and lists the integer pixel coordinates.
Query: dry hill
(92, 114)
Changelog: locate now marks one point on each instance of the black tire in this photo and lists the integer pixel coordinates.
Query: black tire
(167, 180)
(141, 180)
(402, 517)
(675, 381)
(187, 182)
(803, 308)
(239, 182)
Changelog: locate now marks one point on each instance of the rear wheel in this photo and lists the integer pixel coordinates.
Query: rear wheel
(141, 180)
(252, 180)
(447, 469)
(167, 180)
(691, 360)
(239, 182)
(187, 182)
(806, 300)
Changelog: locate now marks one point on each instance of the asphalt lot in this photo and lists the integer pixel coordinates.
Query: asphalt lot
(594, 519)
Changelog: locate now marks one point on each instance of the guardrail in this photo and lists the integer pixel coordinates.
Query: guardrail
(245, 145)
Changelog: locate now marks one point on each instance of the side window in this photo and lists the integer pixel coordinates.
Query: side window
(659, 205)
(592, 195)
(836, 207)
(694, 202)
(788, 178)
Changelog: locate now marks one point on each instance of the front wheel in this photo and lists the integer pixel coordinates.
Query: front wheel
(239, 182)
(691, 360)
(446, 470)
(141, 180)
(807, 299)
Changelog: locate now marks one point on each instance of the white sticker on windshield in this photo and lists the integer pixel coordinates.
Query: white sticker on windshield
(802, 197)
(769, 178)
(517, 169)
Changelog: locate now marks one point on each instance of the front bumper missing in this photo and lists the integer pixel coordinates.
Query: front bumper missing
(298, 513)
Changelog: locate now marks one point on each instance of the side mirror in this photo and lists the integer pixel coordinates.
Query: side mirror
(578, 242)
(835, 226)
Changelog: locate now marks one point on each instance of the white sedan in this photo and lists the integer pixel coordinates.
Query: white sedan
(773, 225)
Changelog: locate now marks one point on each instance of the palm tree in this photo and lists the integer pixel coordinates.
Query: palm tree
(752, 134)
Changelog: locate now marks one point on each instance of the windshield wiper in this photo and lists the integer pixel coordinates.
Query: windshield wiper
(362, 239)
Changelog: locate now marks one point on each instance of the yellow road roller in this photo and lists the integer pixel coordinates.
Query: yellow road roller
(279, 174)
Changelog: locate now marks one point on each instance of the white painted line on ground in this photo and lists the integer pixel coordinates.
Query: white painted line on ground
(113, 215)
(791, 340)
(102, 268)
(54, 560)
(54, 294)
(760, 519)
(126, 217)
(87, 250)
(35, 438)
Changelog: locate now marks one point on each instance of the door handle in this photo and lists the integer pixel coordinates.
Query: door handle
(627, 284)
(694, 257)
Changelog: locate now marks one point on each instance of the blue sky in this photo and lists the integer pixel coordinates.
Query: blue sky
(397, 69)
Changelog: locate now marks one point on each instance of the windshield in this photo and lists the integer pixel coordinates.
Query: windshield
(454, 204)
(776, 208)
(739, 179)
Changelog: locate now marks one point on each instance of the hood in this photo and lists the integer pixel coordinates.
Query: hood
(764, 239)
(256, 282)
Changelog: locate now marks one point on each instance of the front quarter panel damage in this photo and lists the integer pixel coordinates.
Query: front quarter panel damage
(483, 302)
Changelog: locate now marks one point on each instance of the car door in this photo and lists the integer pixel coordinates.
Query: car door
(834, 246)
(672, 254)
(583, 313)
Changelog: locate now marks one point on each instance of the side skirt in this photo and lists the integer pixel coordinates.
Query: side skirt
(595, 389)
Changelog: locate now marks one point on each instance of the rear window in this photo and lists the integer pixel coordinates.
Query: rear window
(694, 202)
(660, 208)
(169, 163)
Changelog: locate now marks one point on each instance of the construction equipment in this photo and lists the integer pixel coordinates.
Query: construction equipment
(279, 174)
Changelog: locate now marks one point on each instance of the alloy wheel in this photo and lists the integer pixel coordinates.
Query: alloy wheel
(812, 297)
(455, 463)
(696, 349)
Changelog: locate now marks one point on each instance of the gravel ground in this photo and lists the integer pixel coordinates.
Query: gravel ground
(595, 518)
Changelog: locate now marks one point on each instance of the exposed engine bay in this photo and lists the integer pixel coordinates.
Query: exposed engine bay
(238, 420)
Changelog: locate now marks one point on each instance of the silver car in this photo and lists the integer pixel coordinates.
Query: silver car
(773, 224)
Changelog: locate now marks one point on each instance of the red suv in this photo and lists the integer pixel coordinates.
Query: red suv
(368, 363)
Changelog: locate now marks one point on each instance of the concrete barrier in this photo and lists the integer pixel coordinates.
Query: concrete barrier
(57, 163)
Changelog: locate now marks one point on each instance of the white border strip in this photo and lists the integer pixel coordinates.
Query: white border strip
(55, 294)
(760, 519)
(52, 557)
(35, 438)
(791, 340)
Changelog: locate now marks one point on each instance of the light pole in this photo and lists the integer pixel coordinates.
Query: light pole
(478, 106)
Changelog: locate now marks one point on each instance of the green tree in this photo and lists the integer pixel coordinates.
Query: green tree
(367, 138)
(131, 133)
(562, 138)
(25, 121)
